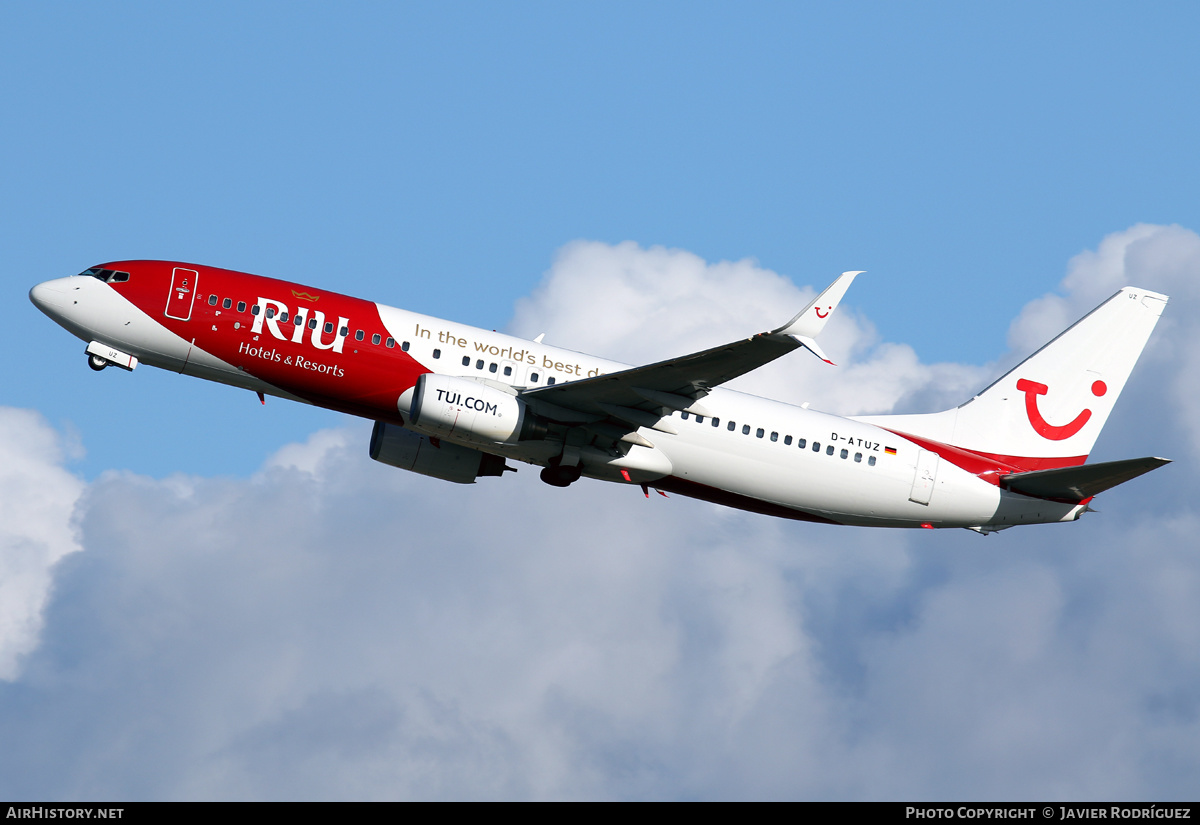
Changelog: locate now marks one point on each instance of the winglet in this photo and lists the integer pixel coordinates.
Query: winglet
(812, 347)
(809, 322)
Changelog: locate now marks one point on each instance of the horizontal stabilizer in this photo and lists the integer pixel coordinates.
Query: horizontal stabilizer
(1081, 482)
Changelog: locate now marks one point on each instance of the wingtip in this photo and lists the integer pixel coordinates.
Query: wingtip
(811, 320)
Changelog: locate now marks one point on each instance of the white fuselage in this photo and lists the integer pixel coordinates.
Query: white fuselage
(747, 451)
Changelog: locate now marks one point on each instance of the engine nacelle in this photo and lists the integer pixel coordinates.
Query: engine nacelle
(450, 407)
(407, 450)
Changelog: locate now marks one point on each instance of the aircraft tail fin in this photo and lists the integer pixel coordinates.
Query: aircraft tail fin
(1049, 409)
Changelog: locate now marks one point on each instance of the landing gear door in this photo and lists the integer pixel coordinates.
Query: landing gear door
(925, 478)
(183, 291)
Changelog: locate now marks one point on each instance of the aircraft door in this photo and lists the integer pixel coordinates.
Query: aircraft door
(183, 292)
(925, 477)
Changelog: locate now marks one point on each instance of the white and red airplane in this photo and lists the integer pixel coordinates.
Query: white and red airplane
(456, 402)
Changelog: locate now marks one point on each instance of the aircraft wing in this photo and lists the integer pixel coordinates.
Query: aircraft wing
(641, 396)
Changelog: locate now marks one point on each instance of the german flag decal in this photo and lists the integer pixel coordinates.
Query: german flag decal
(890, 450)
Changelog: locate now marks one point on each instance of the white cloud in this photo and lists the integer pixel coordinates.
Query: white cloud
(36, 499)
(642, 305)
(334, 628)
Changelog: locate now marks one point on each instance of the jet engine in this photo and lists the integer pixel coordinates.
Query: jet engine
(407, 450)
(465, 410)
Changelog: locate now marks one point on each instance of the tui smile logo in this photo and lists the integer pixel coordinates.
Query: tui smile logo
(1033, 389)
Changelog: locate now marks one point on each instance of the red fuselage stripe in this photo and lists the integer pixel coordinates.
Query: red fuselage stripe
(990, 466)
(310, 361)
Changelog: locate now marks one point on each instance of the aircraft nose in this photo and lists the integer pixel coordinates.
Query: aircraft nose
(49, 296)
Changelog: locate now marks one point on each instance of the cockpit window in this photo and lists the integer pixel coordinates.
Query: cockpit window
(106, 275)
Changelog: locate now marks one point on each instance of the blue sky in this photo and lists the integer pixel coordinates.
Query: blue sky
(453, 158)
(436, 157)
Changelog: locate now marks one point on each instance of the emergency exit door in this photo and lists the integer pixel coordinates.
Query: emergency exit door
(183, 292)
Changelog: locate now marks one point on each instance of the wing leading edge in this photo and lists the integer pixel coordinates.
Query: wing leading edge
(641, 396)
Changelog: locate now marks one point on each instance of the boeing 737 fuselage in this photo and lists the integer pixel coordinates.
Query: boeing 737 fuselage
(456, 402)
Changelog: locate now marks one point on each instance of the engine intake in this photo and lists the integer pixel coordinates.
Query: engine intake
(450, 407)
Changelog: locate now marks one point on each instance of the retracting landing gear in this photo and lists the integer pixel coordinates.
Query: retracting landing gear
(565, 469)
(101, 355)
(560, 476)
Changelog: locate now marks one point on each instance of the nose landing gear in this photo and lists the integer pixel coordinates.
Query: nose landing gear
(101, 355)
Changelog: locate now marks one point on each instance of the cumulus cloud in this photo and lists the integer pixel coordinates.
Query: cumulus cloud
(334, 628)
(641, 305)
(37, 496)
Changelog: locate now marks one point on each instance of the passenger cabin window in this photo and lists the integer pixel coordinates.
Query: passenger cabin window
(241, 306)
(492, 367)
(212, 300)
(533, 378)
(328, 327)
(227, 303)
(802, 443)
(716, 422)
(731, 426)
(829, 450)
(359, 335)
(870, 461)
(404, 346)
(774, 436)
(787, 440)
(437, 353)
(312, 323)
(390, 342)
(760, 432)
(255, 310)
(270, 311)
(684, 415)
(283, 317)
(479, 364)
(745, 429)
(466, 360)
(344, 331)
(376, 338)
(507, 370)
(550, 381)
